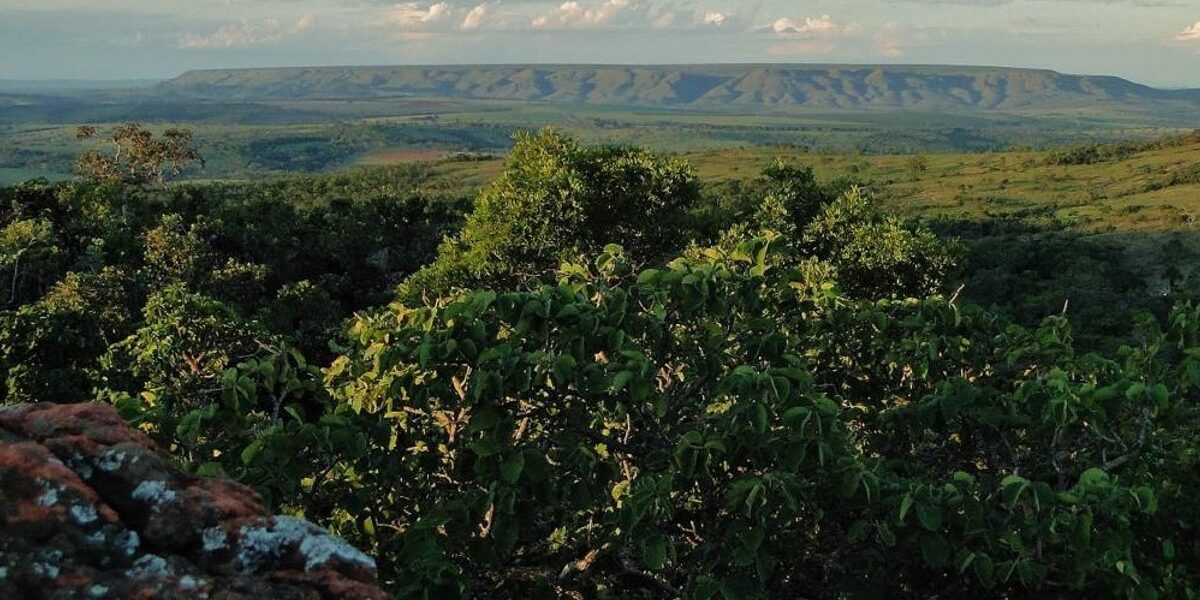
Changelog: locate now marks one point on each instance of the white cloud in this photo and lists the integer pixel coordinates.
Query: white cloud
(476, 17)
(441, 17)
(809, 27)
(715, 18)
(697, 20)
(247, 33)
(809, 36)
(825, 36)
(304, 24)
(575, 15)
(664, 21)
(1191, 34)
(412, 15)
(821, 24)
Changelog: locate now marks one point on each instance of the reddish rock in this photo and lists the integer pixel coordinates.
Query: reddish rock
(90, 509)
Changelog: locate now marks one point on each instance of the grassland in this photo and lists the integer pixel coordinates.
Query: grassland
(241, 150)
(1155, 188)
(251, 124)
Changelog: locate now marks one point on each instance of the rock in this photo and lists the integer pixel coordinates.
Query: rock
(90, 509)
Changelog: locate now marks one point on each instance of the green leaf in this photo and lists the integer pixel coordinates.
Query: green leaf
(249, 452)
(930, 516)
(905, 505)
(1013, 486)
(704, 588)
(965, 560)
(620, 380)
(505, 532)
(211, 469)
(885, 535)
(648, 276)
(985, 571)
(654, 553)
(1134, 391)
(510, 469)
(486, 446)
(1094, 479)
(760, 418)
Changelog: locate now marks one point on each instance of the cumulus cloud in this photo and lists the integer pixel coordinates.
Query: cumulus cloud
(821, 24)
(414, 15)
(808, 27)
(808, 36)
(823, 35)
(1191, 34)
(576, 15)
(413, 19)
(248, 33)
(699, 20)
(476, 17)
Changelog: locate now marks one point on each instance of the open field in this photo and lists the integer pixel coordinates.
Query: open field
(1154, 190)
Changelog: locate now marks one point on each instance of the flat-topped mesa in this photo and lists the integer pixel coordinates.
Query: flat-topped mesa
(751, 87)
(90, 509)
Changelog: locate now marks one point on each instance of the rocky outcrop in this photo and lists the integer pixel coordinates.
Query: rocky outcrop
(90, 509)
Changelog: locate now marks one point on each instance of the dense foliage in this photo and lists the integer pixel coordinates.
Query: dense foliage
(557, 200)
(606, 385)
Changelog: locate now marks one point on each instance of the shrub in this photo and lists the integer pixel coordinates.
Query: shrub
(557, 200)
(728, 426)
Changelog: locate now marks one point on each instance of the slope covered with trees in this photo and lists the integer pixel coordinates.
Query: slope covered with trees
(604, 383)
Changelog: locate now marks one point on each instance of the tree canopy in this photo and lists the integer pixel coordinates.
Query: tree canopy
(604, 384)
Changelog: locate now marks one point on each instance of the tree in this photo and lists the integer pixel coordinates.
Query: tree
(874, 255)
(137, 157)
(877, 256)
(558, 200)
(731, 426)
(29, 255)
(917, 165)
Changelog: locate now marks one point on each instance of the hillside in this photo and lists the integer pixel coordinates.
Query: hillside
(918, 88)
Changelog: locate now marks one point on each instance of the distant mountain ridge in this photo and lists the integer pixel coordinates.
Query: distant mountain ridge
(885, 87)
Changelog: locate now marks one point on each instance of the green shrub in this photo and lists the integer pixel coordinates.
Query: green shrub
(557, 200)
(728, 426)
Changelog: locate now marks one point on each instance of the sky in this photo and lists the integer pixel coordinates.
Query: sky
(1156, 42)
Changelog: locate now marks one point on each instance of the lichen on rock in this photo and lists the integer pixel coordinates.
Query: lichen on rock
(90, 509)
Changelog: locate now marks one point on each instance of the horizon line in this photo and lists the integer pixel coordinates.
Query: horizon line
(484, 65)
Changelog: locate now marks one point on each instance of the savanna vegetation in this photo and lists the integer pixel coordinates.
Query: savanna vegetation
(605, 377)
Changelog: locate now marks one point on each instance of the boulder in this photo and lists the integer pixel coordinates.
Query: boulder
(89, 508)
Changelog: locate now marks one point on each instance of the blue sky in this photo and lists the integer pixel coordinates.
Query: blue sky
(1150, 41)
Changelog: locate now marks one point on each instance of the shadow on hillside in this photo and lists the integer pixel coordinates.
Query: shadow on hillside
(1032, 269)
